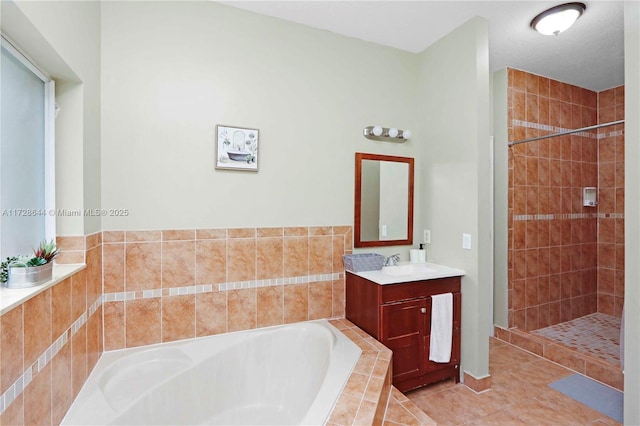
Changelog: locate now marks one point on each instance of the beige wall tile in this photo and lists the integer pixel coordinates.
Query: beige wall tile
(296, 299)
(113, 325)
(296, 231)
(241, 233)
(78, 360)
(211, 313)
(37, 399)
(182, 234)
(296, 256)
(320, 300)
(14, 414)
(138, 236)
(61, 308)
(143, 322)
(270, 302)
(337, 253)
(241, 312)
(94, 339)
(113, 261)
(12, 346)
(93, 240)
(338, 295)
(70, 243)
(241, 259)
(270, 258)
(113, 236)
(211, 261)
(211, 234)
(94, 274)
(78, 294)
(348, 240)
(178, 263)
(143, 266)
(341, 230)
(320, 255)
(270, 232)
(320, 230)
(70, 257)
(178, 317)
(61, 384)
(37, 326)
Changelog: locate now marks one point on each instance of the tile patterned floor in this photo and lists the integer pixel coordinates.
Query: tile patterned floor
(596, 334)
(402, 411)
(519, 395)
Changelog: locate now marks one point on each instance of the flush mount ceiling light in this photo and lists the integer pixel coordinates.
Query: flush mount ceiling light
(557, 19)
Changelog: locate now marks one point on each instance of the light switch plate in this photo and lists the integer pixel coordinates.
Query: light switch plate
(466, 241)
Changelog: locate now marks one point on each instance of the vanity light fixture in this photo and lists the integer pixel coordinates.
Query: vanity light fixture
(392, 134)
(558, 19)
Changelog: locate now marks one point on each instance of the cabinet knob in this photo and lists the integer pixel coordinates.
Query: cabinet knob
(423, 310)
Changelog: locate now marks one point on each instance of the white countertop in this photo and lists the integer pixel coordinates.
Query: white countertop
(418, 272)
(12, 297)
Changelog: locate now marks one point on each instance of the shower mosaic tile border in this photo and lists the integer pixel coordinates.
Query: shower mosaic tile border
(565, 216)
(16, 389)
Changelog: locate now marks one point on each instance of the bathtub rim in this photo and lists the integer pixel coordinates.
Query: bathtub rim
(318, 413)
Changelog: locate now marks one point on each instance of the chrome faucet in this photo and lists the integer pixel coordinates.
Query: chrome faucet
(392, 260)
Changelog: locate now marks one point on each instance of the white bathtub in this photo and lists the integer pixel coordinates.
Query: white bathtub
(282, 375)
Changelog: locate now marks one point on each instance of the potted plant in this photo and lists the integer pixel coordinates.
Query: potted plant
(29, 271)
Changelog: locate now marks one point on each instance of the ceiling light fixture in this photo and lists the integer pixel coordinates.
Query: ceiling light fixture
(557, 19)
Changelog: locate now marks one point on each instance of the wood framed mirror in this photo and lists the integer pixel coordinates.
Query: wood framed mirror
(383, 213)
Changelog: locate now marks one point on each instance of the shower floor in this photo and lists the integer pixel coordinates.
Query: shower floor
(596, 334)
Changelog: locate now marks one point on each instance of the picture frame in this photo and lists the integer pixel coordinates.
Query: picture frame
(237, 148)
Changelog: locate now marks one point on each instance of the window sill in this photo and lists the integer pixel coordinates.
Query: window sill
(10, 298)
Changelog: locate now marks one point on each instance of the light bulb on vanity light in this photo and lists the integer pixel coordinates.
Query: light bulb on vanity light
(393, 132)
(377, 131)
(406, 134)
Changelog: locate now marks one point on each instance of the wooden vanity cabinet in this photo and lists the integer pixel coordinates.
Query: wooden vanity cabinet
(399, 316)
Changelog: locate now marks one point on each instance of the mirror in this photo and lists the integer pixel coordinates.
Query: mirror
(383, 200)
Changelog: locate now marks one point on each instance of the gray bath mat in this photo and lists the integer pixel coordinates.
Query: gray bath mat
(601, 398)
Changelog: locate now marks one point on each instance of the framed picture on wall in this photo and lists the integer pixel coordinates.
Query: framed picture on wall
(236, 148)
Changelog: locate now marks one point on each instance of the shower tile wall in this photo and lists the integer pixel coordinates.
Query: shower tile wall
(51, 342)
(552, 237)
(611, 199)
(167, 285)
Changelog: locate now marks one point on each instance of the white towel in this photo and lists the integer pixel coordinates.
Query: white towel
(441, 327)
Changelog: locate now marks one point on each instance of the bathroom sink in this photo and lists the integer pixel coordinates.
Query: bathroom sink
(397, 270)
(406, 269)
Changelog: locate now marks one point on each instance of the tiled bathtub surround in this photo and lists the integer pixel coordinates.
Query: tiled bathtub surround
(175, 284)
(365, 395)
(555, 252)
(50, 343)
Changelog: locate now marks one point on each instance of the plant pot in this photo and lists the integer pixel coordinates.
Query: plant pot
(29, 276)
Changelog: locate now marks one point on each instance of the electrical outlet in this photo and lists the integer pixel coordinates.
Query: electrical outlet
(384, 230)
(427, 236)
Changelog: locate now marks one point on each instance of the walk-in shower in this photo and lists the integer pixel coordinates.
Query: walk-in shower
(565, 253)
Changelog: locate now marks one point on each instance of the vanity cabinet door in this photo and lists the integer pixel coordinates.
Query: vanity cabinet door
(403, 330)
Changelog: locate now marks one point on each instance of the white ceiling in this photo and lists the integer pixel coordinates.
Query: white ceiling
(590, 54)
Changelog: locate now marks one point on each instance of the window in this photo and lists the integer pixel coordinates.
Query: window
(27, 180)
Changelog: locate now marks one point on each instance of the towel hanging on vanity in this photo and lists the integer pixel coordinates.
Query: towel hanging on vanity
(441, 327)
